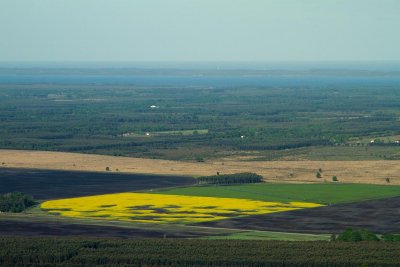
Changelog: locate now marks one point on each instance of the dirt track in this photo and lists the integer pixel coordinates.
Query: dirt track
(381, 216)
(373, 172)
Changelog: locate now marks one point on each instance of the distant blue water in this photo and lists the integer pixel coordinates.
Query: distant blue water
(210, 81)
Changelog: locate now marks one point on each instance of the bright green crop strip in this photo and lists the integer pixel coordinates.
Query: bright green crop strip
(317, 193)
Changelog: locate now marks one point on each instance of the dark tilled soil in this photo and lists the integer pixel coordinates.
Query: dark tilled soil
(380, 216)
(19, 228)
(48, 184)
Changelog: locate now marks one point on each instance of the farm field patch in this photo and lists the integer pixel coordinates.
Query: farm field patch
(367, 172)
(320, 193)
(159, 208)
(32, 228)
(167, 133)
(184, 132)
(379, 216)
(375, 139)
(36, 222)
(50, 184)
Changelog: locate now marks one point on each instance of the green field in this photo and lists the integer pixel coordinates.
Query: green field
(319, 193)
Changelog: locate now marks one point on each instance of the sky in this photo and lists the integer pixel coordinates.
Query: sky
(199, 30)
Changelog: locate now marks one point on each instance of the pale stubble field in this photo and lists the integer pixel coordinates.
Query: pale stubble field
(373, 172)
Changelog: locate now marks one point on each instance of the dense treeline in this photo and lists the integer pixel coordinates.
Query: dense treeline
(179, 252)
(227, 179)
(15, 202)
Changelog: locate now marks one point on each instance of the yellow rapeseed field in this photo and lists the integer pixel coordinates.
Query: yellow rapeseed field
(159, 208)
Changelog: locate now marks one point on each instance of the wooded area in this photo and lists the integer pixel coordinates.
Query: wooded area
(119, 120)
(179, 252)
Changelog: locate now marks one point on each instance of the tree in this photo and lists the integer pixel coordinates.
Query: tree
(199, 159)
(334, 178)
(391, 237)
(318, 175)
(351, 235)
(333, 237)
(368, 235)
(15, 202)
(107, 168)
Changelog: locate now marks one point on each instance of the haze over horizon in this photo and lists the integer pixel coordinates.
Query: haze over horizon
(178, 30)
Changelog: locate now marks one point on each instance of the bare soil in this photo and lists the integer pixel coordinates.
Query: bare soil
(20, 228)
(380, 216)
(50, 184)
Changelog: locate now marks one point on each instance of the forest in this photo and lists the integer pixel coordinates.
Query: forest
(47, 251)
(199, 123)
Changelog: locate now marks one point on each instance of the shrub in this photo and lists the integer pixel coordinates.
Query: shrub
(199, 159)
(350, 235)
(318, 175)
(15, 202)
(391, 238)
(333, 237)
(368, 235)
(334, 178)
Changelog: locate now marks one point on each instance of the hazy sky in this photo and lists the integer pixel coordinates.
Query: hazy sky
(205, 30)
